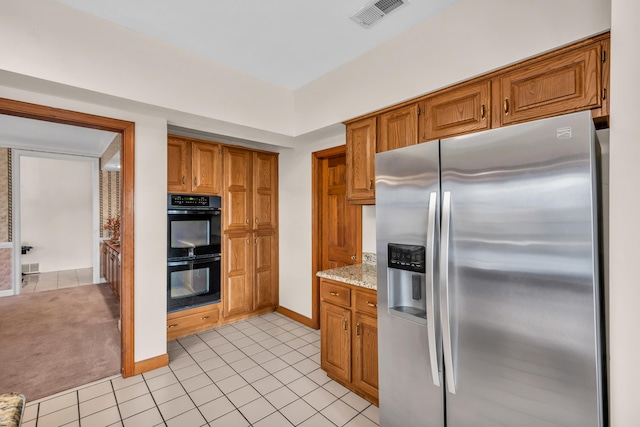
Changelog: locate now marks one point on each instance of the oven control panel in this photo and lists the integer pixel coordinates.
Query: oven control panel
(183, 201)
(407, 257)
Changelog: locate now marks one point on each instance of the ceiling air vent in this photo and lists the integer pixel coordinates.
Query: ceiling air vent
(376, 10)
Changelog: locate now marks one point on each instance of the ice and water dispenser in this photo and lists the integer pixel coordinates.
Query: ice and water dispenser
(406, 282)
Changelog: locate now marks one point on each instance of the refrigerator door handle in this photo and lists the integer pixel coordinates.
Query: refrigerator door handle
(431, 304)
(444, 292)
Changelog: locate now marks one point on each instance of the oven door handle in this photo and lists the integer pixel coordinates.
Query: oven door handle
(210, 211)
(194, 261)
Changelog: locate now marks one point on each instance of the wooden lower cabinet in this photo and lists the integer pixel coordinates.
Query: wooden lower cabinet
(250, 278)
(187, 322)
(365, 351)
(335, 341)
(110, 266)
(349, 336)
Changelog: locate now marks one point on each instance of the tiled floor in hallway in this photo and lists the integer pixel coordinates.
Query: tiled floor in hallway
(56, 280)
(262, 372)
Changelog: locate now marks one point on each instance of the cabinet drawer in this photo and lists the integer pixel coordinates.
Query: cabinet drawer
(179, 326)
(367, 302)
(335, 294)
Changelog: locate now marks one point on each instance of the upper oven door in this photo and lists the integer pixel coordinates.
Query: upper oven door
(193, 233)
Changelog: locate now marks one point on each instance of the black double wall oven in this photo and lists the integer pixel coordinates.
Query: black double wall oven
(193, 250)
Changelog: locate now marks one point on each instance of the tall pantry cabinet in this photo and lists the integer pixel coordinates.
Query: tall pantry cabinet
(250, 231)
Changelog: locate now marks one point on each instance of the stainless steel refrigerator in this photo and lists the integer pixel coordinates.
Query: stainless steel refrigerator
(488, 279)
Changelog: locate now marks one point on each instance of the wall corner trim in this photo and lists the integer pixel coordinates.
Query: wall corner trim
(296, 316)
(151, 364)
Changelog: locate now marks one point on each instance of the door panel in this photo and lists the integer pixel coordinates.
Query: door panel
(266, 268)
(207, 168)
(238, 184)
(265, 172)
(341, 221)
(179, 165)
(335, 345)
(237, 290)
(365, 375)
(522, 275)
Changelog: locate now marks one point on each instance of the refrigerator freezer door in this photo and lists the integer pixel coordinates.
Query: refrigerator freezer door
(523, 279)
(407, 186)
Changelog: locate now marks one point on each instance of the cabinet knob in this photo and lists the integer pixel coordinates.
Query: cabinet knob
(204, 318)
(195, 180)
(257, 221)
(370, 184)
(357, 329)
(183, 180)
(334, 294)
(482, 112)
(247, 241)
(172, 326)
(506, 106)
(246, 220)
(353, 257)
(344, 324)
(370, 304)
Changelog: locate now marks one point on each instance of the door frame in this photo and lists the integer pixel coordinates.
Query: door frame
(127, 150)
(316, 225)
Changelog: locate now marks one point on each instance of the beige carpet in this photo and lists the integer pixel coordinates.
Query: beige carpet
(55, 340)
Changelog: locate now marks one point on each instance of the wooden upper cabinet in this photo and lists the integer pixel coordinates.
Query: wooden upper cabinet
(361, 150)
(459, 110)
(178, 165)
(560, 84)
(265, 191)
(206, 164)
(238, 182)
(398, 128)
(193, 166)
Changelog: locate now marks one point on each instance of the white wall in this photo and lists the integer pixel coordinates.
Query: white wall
(55, 42)
(56, 213)
(624, 211)
(294, 176)
(467, 39)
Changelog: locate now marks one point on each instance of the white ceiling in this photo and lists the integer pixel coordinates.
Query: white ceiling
(37, 135)
(286, 42)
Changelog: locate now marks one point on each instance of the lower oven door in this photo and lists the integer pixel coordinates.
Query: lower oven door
(192, 283)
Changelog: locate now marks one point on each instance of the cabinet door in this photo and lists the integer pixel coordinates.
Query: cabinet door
(398, 128)
(238, 192)
(361, 150)
(365, 349)
(178, 165)
(458, 111)
(335, 341)
(265, 260)
(104, 254)
(237, 287)
(265, 189)
(561, 84)
(206, 164)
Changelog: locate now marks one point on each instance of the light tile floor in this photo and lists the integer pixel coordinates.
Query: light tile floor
(262, 372)
(56, 280)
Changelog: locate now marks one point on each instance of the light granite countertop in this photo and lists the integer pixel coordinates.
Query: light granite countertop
(363, 275)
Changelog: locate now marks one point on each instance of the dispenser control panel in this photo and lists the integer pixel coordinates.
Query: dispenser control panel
(407, 257)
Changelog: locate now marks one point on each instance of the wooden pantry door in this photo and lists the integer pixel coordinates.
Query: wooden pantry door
(337, 224)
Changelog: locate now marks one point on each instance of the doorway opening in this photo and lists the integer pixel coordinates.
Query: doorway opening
(126, 130)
